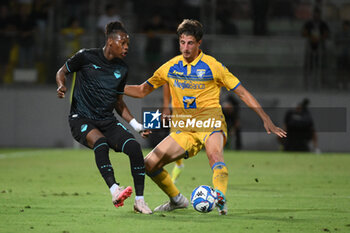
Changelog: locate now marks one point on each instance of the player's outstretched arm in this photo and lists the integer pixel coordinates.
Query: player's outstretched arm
(123, 110)
(138, 91)
(252, 103)
(61, 81)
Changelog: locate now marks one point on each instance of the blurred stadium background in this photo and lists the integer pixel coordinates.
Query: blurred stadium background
(260, 41)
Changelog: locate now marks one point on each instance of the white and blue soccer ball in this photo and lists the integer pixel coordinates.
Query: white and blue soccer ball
(203, 199)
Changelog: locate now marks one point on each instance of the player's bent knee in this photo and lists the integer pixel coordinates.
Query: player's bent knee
(154, 173)
(101, 142)
(93, 137)
(130, 143)
(150, 166)
(153, 160)
(127, 144)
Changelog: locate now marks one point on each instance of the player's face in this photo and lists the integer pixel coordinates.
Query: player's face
(189, 47)
(119, 45)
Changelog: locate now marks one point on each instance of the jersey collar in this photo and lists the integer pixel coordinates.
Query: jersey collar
(195, 61)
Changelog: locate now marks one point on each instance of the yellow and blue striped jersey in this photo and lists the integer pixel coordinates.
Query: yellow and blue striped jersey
(195, 87)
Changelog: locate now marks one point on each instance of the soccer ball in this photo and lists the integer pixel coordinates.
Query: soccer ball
(203, 199)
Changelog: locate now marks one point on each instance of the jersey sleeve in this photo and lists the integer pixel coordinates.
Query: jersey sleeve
(74, 63)
(225, 78)
(159, 77)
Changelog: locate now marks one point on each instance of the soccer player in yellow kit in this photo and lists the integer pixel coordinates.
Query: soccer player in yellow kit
(195, 80)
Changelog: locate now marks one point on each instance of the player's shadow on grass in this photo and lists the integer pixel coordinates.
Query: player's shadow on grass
(183, 216)
(256, 188)
(256, 214)
(190, 215)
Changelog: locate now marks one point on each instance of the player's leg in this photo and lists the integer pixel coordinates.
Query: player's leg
(121, 140)
(166, 152)
(214, 149)
(87, 133)
(98, 142)
(178, 167)
(137, 166)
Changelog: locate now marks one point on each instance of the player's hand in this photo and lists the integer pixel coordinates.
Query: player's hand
(270, 127)
(145, 133)
(61, 90)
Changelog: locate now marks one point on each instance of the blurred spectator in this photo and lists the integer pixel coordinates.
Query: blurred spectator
(283, 9)
(7, 33)
(41, 13)
(342, 41)
(191, 9)
(231, 108)
(26, 28)
(71, 37)
(303, 10)
(76, 8)
(153, 48)
(225, 17)
(316, 31)
(109, 15)
(260, 10)
(300, 128)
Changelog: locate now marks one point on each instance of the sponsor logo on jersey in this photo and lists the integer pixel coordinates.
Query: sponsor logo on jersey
(96, 67)
(178, 73)
(188, 85)
(189, 102)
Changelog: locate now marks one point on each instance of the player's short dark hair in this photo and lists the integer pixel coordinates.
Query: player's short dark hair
(190, 27)
(114, 27)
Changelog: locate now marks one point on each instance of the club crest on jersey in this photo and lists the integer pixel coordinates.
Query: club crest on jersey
(117, 74)
(200, 73)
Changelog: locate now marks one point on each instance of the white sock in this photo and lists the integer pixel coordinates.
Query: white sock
(180, 166)
(138, 197)
(176, 198)
(113, 188)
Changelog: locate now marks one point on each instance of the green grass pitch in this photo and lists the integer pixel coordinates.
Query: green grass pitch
(56, 190)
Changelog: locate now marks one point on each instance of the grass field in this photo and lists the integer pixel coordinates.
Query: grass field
(61, 191)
